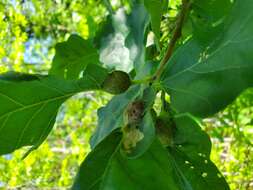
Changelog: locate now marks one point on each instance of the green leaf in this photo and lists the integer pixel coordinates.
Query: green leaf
(150, 171)
(111, 116)
(190, 156)
(72, 57)
(138, 21)
(155, 9)
(111, 42)
(208, 18)
(113, 170)
(96, 73)
(29, 105)
(93, 168)
(147, 70)
(203, 81)
(122, 39)
(185, 165)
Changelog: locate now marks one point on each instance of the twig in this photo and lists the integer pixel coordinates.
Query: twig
(177, 34)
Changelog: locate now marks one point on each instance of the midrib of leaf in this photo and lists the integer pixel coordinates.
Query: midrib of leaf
(129, 175)
(226, 43)
(157, 162)
(38, 103)
(126, 172)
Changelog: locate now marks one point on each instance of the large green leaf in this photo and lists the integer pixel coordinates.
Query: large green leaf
(106, 168)
(29, 105)
(72, 57)
(184, 166)
(93, 168)
(190, 156)
(203, 81)
(150, 171)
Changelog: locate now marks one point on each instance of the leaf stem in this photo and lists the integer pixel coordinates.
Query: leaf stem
(176, 35)
(141, 81)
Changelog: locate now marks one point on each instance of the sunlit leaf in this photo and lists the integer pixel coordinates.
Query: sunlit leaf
(29, 105)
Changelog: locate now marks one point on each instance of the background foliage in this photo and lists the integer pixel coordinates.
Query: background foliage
(29, 30)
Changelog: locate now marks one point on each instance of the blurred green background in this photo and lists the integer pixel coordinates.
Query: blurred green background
(29, 30)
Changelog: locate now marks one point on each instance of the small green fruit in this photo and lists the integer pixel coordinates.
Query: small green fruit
(116, 82)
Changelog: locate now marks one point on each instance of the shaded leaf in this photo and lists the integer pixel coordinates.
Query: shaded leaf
(72, 57)
(184, 166)
(122, 39)
(111, 42)
(190, 155)
(138, 21)
(93, 168)
(116, 171)
(150, 171)
(96, 73)
(155, 9)
(203, 81)
(208, 18)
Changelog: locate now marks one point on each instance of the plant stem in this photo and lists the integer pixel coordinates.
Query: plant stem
(176, 35)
